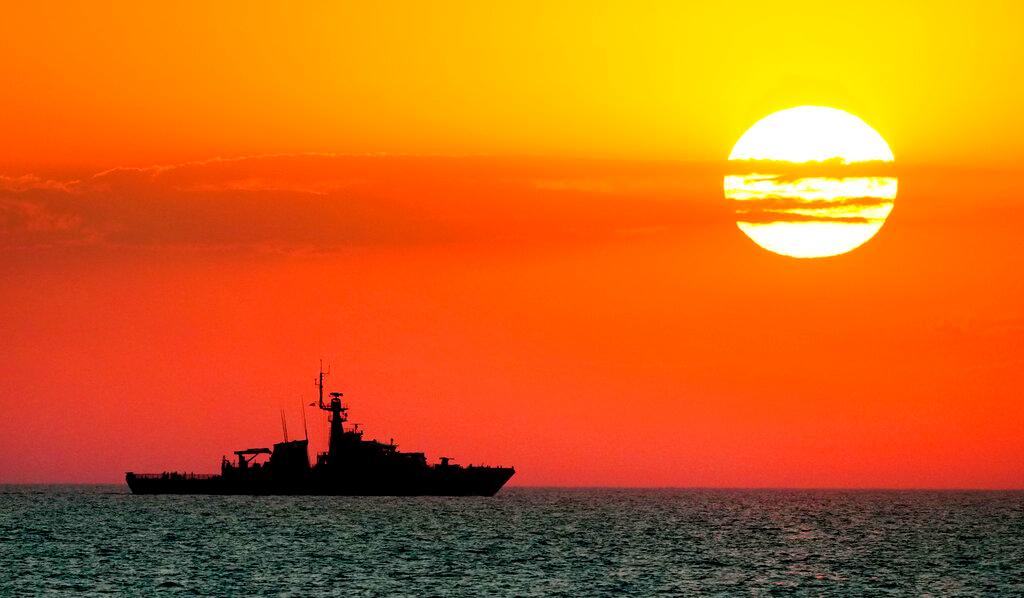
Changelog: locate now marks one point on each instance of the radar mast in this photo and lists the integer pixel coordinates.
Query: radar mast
(339, 414)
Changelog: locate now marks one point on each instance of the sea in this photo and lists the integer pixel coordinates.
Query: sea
(92, 540)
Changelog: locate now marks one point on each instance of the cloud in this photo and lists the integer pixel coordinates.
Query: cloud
(27, 182)
(769, 216)
(850, 210)
(33, 223)
(326, 202)
(797, 203)
(835, 168)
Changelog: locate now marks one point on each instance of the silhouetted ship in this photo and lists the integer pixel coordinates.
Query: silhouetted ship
(350, 467)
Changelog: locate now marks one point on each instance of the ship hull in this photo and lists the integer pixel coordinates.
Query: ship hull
(473, 481)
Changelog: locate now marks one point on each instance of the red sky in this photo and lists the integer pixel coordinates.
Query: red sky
(590, 322)
(503, 226)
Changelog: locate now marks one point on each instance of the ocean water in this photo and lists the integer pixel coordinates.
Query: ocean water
(79, 540)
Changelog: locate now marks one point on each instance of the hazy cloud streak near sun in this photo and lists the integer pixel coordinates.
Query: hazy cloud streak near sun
(324, 202)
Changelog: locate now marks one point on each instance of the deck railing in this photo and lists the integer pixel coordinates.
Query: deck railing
(174, 475)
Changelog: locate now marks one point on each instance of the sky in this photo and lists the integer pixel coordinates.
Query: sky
(503, 227)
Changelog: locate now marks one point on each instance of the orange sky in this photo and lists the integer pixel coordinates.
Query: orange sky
(504, 228)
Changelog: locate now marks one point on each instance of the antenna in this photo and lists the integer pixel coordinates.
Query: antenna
(320, 384)
(284, 426)
(305, 429)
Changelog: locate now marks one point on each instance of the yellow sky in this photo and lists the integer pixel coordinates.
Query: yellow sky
(136, 83)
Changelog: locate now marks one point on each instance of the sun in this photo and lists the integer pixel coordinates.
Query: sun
(811, 181)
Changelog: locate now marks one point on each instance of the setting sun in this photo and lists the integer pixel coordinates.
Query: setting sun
(796, 187)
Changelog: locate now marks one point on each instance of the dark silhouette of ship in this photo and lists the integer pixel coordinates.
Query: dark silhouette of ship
(351, 466)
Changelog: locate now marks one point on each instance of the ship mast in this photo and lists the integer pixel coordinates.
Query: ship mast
(320, 385)
(338, 417)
